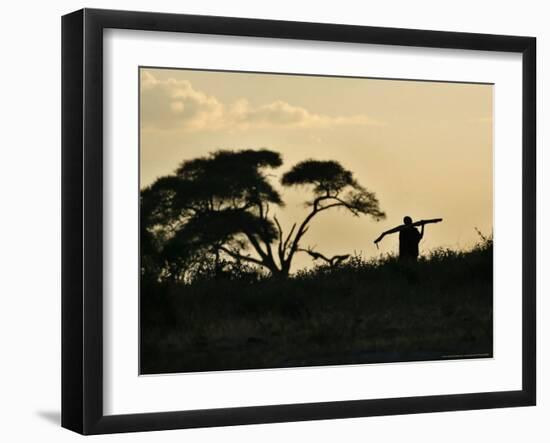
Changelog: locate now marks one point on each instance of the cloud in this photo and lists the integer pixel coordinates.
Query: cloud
(176, 105)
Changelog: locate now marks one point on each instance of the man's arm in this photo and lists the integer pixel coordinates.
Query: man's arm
(421, 232)
(390, 231)
(400, 227)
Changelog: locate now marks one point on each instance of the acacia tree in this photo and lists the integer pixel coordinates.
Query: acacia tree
(218, 207)
(332, 187)
(210, 206)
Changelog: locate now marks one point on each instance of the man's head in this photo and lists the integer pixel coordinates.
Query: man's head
(407, 220)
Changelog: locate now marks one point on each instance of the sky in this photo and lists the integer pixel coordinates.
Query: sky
(424, 148)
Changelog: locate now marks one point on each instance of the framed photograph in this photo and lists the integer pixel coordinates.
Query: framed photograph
(268, 221)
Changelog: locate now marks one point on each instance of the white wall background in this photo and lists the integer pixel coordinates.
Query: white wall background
(30, 219)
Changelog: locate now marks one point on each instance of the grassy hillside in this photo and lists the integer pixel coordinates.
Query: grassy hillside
(360, 312)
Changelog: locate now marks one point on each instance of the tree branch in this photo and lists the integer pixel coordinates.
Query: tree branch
(265, 235)
(332, 261)
(256, 245)
(285, 244)
(315, 255)
(341, 202)
(280, 248)
(315, 210)
(238, 256)
(299, 234)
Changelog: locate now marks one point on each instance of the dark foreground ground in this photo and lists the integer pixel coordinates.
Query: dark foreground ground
(361, 312)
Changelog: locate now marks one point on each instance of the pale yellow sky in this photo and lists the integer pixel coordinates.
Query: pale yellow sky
(424, 148)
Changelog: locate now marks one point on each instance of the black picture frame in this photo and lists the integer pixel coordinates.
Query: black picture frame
(82, 218)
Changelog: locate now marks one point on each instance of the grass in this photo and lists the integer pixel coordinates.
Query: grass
(363, 311)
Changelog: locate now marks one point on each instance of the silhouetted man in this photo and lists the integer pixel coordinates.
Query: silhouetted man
(409, 238)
